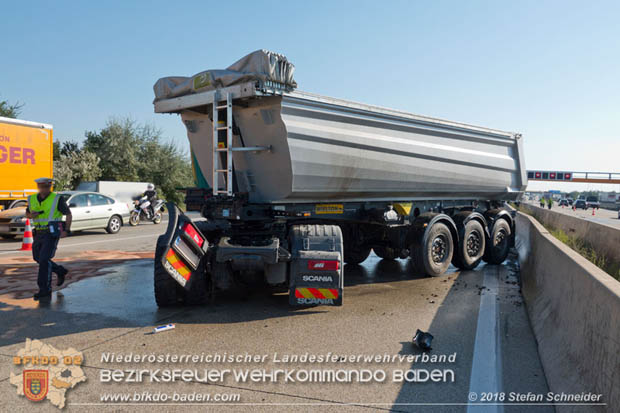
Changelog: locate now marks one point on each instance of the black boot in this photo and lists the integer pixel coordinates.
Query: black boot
(61, 276)
(42, 294)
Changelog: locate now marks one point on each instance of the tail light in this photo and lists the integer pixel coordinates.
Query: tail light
(193, 234)
(324, 265)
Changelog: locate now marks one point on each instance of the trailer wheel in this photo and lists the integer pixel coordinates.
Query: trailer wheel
(356, 255)
(166, 287)
(385, 253)
(470, 250)
(435, 255)
(499, 244)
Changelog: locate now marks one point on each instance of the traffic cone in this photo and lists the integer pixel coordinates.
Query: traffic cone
(593, 211)
(27, 242)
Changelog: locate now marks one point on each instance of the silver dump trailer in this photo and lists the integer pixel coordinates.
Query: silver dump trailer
(293, 185)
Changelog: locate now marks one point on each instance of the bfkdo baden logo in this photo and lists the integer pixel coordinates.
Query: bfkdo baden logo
(46, 372)
(35, 384)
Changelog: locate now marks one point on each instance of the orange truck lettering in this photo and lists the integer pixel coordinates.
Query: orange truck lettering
(25, 154)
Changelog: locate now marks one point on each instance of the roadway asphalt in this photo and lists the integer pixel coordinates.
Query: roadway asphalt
(478, 315)
(139, 238)
(601, 216)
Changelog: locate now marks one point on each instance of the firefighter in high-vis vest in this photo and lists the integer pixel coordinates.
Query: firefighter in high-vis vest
(45, 211)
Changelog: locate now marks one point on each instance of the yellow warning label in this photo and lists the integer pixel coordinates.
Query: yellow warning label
(329, 209)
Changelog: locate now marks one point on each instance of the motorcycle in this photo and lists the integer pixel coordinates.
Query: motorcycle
(143, 212)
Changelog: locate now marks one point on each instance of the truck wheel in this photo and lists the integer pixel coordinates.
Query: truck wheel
(385, 253)
(499, 244)
(356, 255)
(470, 250)
(199, 291)
(434, 257)
(114, 224)
(165, 286)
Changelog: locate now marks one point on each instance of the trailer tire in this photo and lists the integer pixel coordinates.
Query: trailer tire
(386, 253)
(166, 288)
(471, 247)
(434, 256)
(499, 245)
(356, 255)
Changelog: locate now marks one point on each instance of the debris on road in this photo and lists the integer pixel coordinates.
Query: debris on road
(423, 340)
(163, 328)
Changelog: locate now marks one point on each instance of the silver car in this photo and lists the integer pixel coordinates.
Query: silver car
(92, 210)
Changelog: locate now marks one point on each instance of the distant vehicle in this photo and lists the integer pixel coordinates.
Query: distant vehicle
(592, 202)
(581, 203)
(143, 211)
(563, 202)
(90, 210)
(25, 155)
(570, 201)
(121, 191)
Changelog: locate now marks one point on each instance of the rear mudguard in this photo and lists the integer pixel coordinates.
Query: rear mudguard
(493, 215)
(419, 229)
(464, 217)
(185, 247)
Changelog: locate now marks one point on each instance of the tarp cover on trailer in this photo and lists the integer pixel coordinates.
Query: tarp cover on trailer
(261, 65)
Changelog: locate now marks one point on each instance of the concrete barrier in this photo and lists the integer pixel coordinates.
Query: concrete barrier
(603, 238)
(574, 309)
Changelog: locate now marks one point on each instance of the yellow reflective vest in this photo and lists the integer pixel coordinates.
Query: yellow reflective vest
(49, 209)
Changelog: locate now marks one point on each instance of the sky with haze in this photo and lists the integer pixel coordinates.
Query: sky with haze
(549, 70)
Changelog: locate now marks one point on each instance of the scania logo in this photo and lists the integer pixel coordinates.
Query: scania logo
(320, 278)
(315, 301)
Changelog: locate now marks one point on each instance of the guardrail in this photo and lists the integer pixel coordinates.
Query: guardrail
(574, 309)
(603, 238)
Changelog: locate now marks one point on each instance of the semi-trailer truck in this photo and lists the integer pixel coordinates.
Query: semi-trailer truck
(293, 185)
(25, 155)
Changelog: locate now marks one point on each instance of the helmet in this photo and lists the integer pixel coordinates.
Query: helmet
(150, 187)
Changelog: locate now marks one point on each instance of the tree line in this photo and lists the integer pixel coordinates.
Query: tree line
(124, 150)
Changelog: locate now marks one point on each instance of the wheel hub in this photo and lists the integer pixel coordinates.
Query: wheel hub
(115, 224)
(473, 244)
(500, 237)
(439, 249)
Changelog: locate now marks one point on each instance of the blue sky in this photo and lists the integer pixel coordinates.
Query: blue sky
(549, 70)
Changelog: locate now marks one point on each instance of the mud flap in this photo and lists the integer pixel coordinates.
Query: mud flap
(186, 246)
(316, 273)
(316, 278)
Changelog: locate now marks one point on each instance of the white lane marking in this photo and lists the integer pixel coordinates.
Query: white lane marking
(487, 362)
(88, 243)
